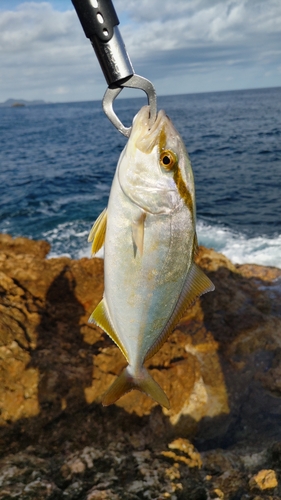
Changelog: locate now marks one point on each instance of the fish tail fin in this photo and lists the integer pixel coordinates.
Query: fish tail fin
(143, 382)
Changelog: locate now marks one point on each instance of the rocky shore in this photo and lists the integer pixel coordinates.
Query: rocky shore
(221, 369)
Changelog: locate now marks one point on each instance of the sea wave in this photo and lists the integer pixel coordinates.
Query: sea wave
(70, 239)
(240, 248)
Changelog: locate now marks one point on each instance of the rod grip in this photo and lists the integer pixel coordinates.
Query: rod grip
(98, 18)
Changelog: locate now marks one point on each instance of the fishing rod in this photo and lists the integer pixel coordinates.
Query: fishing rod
(100, 24)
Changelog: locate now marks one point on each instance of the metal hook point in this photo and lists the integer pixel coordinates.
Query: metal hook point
(137, 82)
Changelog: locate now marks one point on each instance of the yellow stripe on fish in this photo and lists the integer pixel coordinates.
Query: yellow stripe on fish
(169, 161)
(182, 189)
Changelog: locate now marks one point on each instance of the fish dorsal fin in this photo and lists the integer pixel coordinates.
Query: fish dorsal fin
(100, 317)
(196, 284)
(138, 232)
(97, 233)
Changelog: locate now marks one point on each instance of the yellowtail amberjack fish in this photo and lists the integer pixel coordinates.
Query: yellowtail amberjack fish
(149, 236)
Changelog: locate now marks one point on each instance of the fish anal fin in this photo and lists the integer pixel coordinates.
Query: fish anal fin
(97, 233)
(143, 382)
(196, 284)
(101, 318)
(138, 232)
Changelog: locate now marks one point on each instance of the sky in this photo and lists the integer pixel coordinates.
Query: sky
(182, 46)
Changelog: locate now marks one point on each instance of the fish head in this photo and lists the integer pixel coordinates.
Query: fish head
(154, 170)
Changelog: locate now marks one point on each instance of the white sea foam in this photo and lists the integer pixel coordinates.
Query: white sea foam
(239, 248)
(70, 239)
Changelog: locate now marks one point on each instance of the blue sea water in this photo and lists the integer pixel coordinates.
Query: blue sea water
(57, 162)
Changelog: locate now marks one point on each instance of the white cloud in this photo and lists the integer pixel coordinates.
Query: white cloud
(172, 25)
(43, 50)
(32, 26)
(205, 36)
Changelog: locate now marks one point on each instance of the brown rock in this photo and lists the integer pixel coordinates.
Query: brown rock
(52, 356)
(24, 246)
(95, 494)
(264, 480)
(220, 368)
(185, 452)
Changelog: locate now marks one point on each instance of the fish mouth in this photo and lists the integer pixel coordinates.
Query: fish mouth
(145, 137)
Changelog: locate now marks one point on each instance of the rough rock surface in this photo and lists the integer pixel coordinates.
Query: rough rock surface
(221, 369)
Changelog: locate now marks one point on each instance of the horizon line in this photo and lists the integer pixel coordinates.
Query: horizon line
(139, 97)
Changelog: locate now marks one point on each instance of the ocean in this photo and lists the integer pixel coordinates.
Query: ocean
(57, 162)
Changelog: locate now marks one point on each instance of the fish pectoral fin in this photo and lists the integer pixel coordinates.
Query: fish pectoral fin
(100, 317)
(138, 232)
(196, 284)
(97, 233)
(127, 382)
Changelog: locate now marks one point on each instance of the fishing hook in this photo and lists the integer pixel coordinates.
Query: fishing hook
(100, 24)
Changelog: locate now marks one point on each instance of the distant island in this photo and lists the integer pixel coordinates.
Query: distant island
(15, 103)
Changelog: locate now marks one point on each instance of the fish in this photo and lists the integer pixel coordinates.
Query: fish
(148, 231)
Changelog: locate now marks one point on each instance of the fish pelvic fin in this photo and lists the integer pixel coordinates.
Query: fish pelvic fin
(101, 317)
(97, 233)
(127, 382)
(196, 284)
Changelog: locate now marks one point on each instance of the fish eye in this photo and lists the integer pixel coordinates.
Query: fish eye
(168, 159)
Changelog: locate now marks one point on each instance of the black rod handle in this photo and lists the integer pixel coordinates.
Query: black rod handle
(98, 18)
